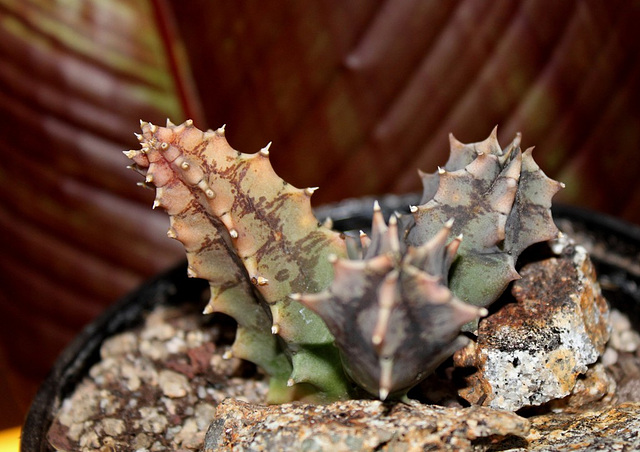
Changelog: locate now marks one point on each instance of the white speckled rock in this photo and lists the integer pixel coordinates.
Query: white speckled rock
(532, 351)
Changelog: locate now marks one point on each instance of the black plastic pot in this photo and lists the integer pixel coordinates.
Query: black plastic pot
(613, 244)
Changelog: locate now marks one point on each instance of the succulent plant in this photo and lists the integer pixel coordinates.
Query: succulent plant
(319, 310)
(501, 202)
(392, 315)
(254, 237)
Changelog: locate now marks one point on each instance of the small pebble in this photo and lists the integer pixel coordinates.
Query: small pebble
(141, 441)
(161, 332)
(119, 345)
(176, 345)
(195, 338)
(89, 440)
(154, 350)
(204, 414)
(609, 357)
(173, 384)
(87, 408)
(113, 427)
(152, 421)
(187, 431)
(623, 337)
(158, 447)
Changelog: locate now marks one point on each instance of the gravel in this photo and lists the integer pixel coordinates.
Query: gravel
(157, 387)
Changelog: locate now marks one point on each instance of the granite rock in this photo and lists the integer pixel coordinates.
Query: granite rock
(532, 351)
(359, 425)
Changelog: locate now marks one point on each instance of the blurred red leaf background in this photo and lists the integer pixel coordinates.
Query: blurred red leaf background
(354, 95)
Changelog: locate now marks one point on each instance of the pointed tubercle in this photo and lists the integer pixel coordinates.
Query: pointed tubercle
(386, 374)
(394, 239)
(310, 191)
(265, 150)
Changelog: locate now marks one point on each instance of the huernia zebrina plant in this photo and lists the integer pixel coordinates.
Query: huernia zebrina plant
(320, 311)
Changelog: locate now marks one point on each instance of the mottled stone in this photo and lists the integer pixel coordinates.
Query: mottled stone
(357, 425)
(533, 350)
(611, 428)
(596, 386)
